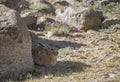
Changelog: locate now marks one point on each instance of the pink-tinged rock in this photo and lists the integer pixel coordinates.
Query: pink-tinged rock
(15, 44)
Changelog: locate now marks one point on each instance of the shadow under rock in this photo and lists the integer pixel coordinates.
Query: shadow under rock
(61, 44)
(61, 69)
(54, 43)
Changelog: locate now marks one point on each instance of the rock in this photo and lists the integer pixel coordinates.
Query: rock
(89, 3)
(40, 20)
(98, 4)
(61, 2)
(2, 1)
(49, 34)
(34, 2)
(16, 4)
(48, 9)
(109, 1)
(111, 75)
(65, 16)
(15, 44)
(90, 19)
(29, 19)
(43, 54)
(111, 21)
(43, 21)
(82, 17)
(35, 11)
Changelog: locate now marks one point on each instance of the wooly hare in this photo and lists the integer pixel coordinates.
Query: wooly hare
(43, 55)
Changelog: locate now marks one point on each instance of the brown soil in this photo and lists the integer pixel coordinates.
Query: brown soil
(83, 57)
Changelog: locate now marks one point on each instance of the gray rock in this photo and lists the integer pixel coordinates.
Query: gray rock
(16, 4)
(90, 19)
(15, 44)
(61, 2)
(29, 19)
(83, 17)
(48, 10)
(111, 21)
(2, 1)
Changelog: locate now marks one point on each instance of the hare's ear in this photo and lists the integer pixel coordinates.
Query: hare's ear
(44, 46)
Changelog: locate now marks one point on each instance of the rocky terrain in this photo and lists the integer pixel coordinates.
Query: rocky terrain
(71, 40)
(90, 56)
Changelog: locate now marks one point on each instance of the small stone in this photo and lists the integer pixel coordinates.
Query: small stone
(106, 75)
(112, 75)
(49, 34)
(46, 77)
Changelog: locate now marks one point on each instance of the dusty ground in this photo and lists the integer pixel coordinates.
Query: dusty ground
(83, 57)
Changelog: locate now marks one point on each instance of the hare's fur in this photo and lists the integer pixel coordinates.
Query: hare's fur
(42, 53)
(44, 56)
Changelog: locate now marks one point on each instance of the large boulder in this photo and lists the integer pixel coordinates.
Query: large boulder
(15, 44)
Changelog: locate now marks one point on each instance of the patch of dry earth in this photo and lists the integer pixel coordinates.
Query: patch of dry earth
(83, 57)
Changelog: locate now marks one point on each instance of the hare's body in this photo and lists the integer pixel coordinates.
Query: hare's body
(43, 54)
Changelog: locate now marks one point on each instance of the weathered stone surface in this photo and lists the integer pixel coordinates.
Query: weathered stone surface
(16, 4)
(88, 3)
(98, 4)
(1, 1)
(13, 3)
(15, 44)
(109, 1)
(34, 1)
(49, 9)
(29, 19)
(111, 21)
(67, 15)
(61, 2)
(90, 19)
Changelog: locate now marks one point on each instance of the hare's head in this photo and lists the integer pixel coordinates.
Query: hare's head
(53, 53)
(43, 56)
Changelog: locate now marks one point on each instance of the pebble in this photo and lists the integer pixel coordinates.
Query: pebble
(112, 75)
(49, 34)
(46, 77)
